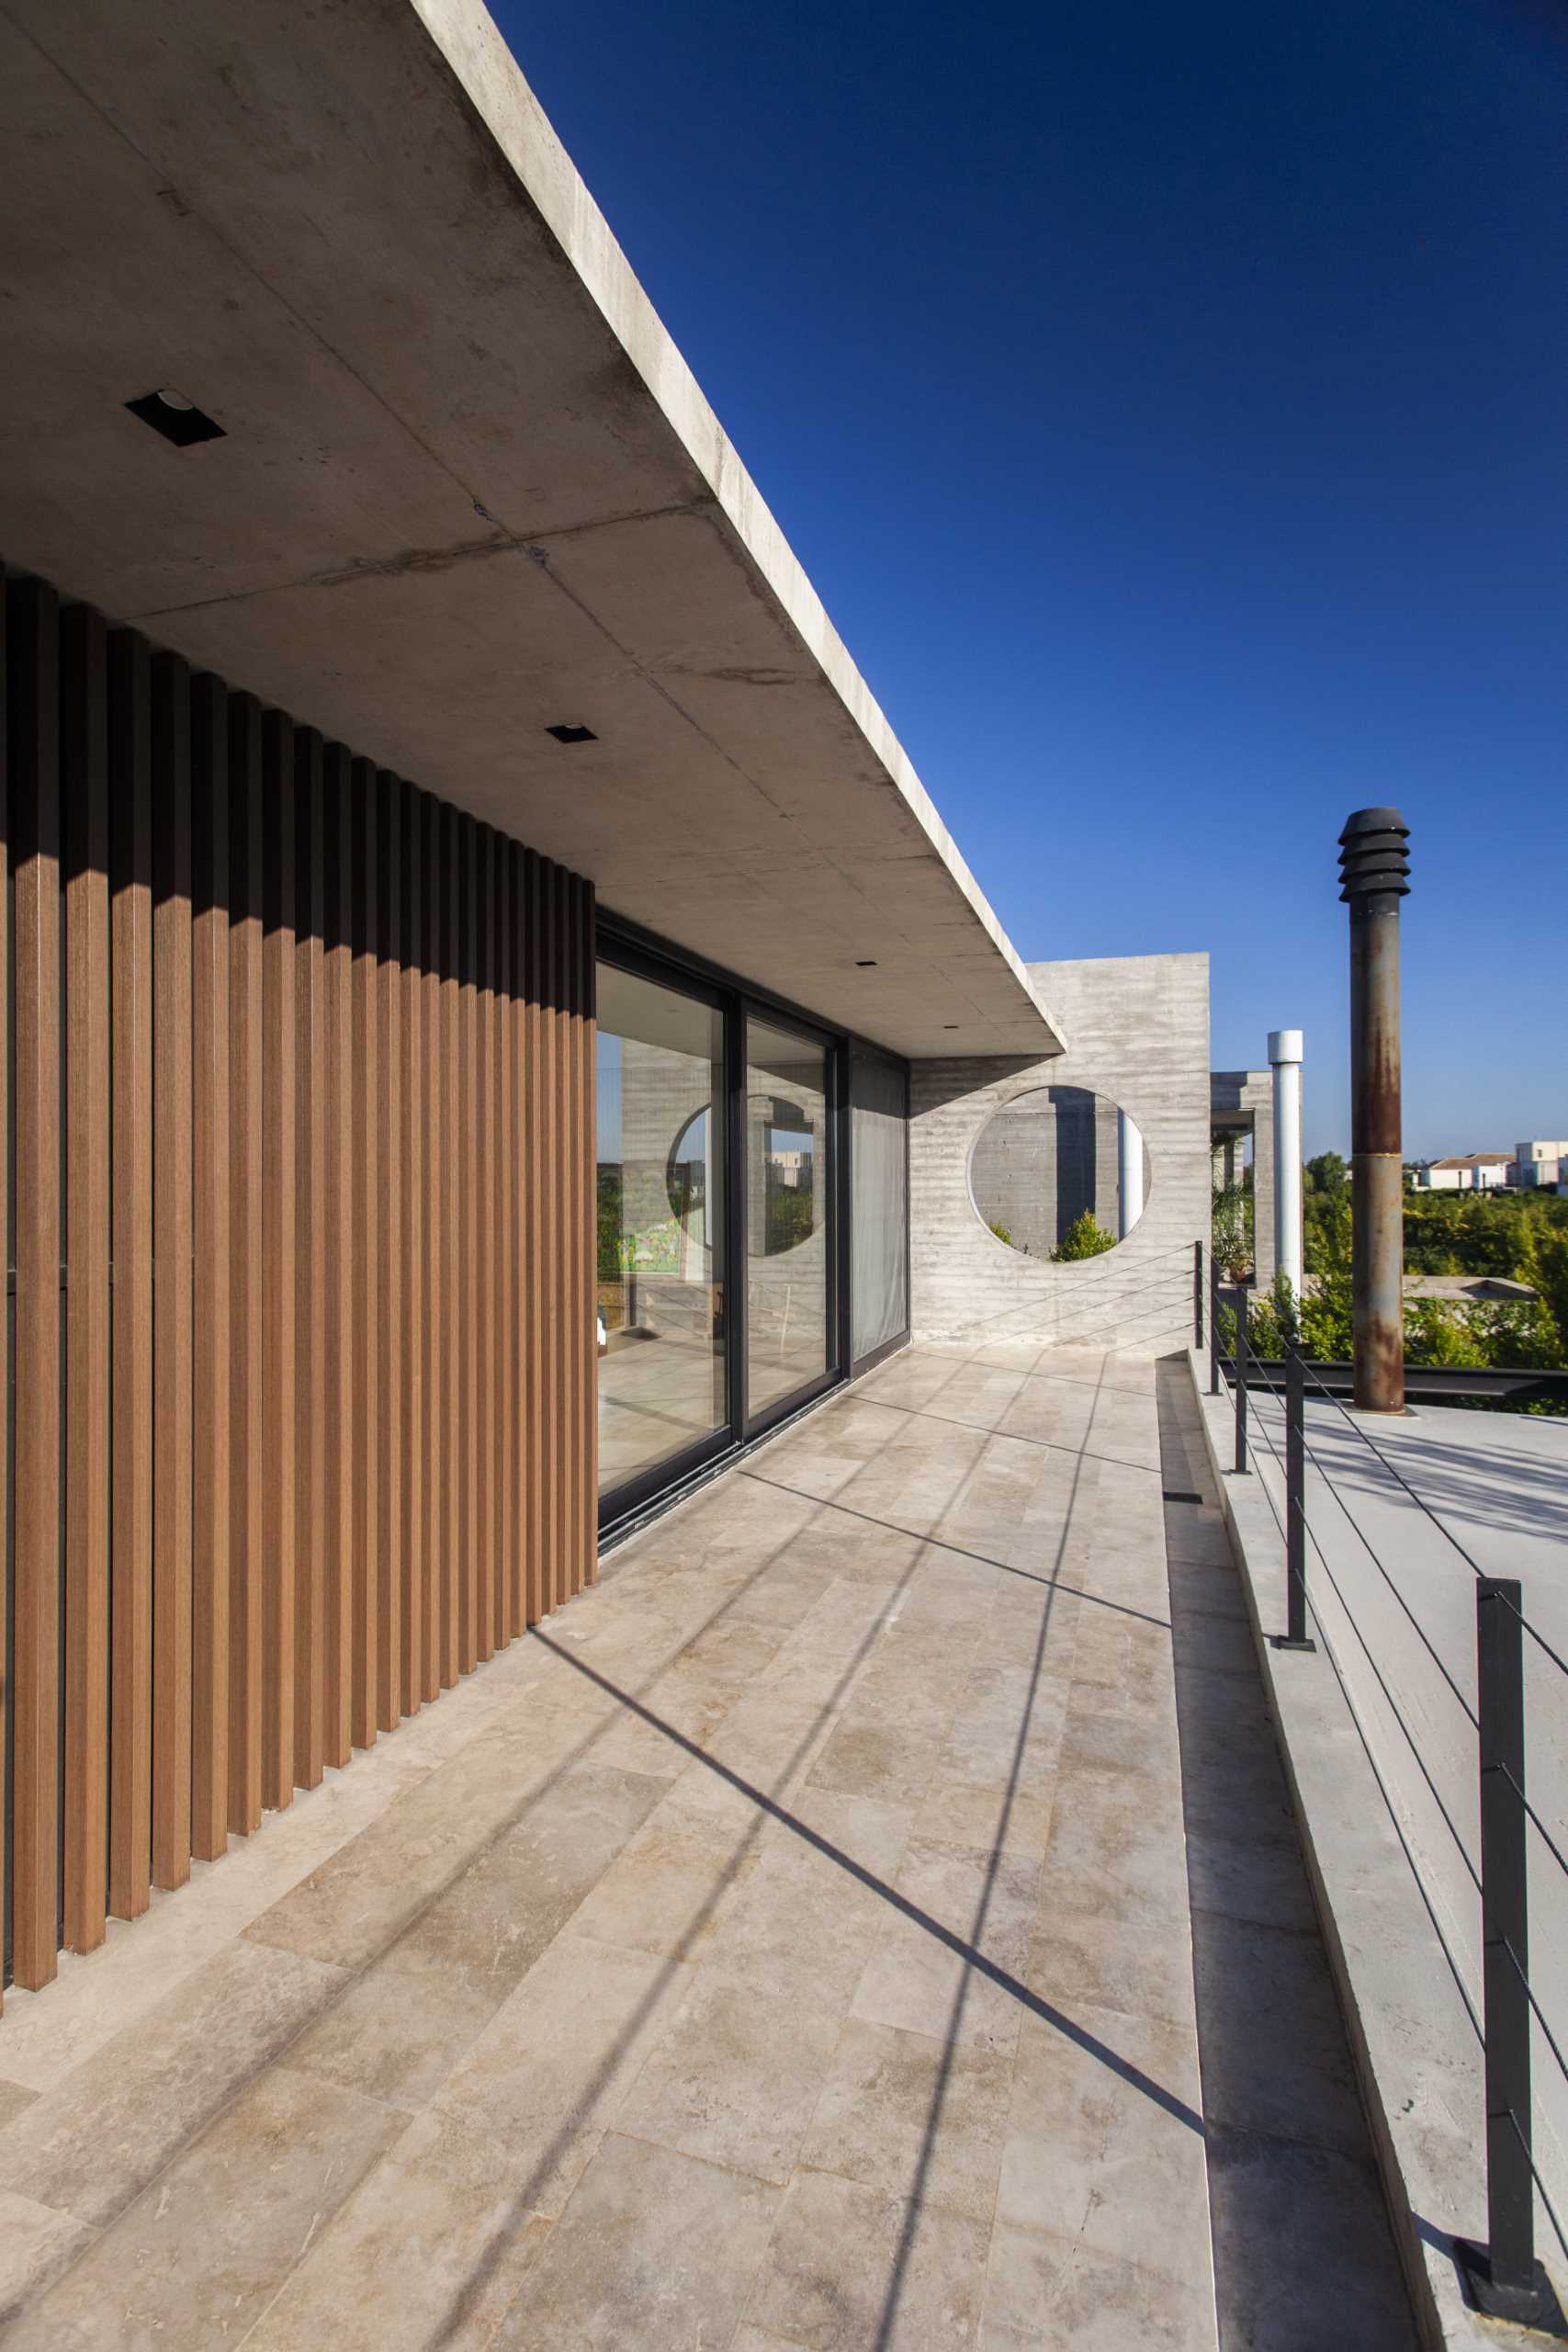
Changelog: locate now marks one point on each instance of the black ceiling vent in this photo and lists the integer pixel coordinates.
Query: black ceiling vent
(866, 963)
(573, 734)
(177, 419)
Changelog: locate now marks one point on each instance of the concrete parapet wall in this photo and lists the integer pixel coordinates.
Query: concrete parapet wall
(1139, 1032)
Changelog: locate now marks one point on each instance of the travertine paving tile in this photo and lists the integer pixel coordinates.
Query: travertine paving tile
(419, 2255)
(202, 2251)
(656, 2249)
(400, 2028)
(548, 2075)
(14, 2097)
(1115, 1849)
(916, 2117)
(1044, 2291)
(115, 2119)
(849, 2266)
(734, 2079)
(1104, 2141)
(36, 2243)
(672, 1885)
(931, 1984)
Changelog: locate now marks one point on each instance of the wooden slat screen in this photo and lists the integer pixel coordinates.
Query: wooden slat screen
(297, 1066)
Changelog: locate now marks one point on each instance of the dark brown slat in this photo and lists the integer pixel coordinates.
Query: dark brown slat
(564, 1427)
(518, 1351)
(582, 1130)
(33, 721)
(583, 1241)
(279, 1270)
(505, 1157)
(130, 880)
(591, 1226)
(388, 1308)
(337, 1091)
(172, 1295)
(547, 1262)
(415, 1554)
(451, 1257)
(433, 1160)
(5, 848)
(85, 782)
(212, 1211)
(566, 1179)
(467, 1219)
(245, 1306)
(310, 1268)
(365, 1402)
(484, 1237)
(534, 1238)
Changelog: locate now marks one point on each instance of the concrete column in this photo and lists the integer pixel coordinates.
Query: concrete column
(1129, 1175)
(1285, 1059)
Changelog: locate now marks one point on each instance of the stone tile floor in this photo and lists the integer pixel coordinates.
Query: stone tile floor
(787, 1944)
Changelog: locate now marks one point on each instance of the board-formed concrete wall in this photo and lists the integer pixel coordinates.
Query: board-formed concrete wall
(1138, 1034)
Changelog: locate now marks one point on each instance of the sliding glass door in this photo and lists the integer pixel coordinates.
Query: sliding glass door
(720, 1230)
(663, 1354)
(789, 1175)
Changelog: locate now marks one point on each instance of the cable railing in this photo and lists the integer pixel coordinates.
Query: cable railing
(1504, 2276)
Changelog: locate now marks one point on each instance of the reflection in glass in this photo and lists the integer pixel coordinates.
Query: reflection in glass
(1059, 1173)
(662, 1242)
(787, 1206)
(879, 1178)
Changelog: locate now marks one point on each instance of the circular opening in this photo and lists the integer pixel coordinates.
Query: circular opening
(1059, 1174)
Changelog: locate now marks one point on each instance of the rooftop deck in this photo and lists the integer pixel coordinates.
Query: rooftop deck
(790, 1943)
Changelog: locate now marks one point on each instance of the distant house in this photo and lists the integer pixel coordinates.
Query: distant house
(1471, 1171)
(1540, 1165)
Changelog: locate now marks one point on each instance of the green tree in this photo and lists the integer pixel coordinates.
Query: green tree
(1326, 1173)
(1083, 1238)
(1232, 1229)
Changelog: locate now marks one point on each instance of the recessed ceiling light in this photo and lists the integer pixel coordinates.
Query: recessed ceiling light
(176, 418)
(573, 734)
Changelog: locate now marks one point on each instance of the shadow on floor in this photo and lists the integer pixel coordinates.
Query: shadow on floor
(1303, 2258)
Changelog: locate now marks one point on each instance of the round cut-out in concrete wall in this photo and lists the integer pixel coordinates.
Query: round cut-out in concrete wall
(1059, 1173)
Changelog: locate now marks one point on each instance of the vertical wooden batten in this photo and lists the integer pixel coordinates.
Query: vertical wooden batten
(131, 1119)
(299, 1066)
(212, 1211)
(33, 762)
(279, 1243)
(310, 1268)
(411, 1249)
(337, 1222)
(388, 1256)
(85, 794)
(172, 1294)
(246, 1567)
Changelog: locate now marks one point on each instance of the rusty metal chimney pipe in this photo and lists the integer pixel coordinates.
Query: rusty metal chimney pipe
(1374, 876)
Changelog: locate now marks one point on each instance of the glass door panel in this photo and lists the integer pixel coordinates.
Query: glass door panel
(789, 1273)
(662, 1239)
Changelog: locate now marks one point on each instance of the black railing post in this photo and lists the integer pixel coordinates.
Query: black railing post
(1295, 1635)
(1197, 1294)
(1239, 1368)
(1213, 1326)
(1504, 2276)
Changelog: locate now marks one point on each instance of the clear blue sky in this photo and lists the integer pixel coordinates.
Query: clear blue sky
(1171, 406)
